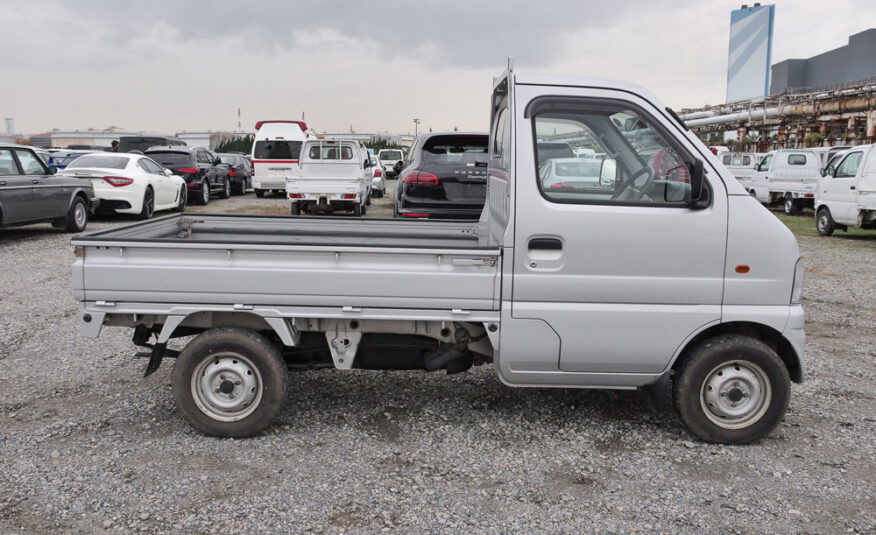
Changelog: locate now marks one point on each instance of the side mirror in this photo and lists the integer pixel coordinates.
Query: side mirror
(696, 182)
(824, 171)
(608, 173)
(168, 172)
(52, 169)
(367, 164)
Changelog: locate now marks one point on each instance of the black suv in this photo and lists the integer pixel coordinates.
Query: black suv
(201, 169)
(239, 171)
(444, 176)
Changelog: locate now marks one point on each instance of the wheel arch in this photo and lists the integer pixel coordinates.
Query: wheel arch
(758, 331)
(197, 322)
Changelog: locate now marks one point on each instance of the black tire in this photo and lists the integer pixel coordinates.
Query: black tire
(296, 208)
(792, 207)
(731, 373)
(250, 368)
(226, 189)
(260, 193)
(358, 209)
(824, 222)
(241, 188)
(205, 193)
(368, 200)
(183, 199)
(77, 217)
(148, 209)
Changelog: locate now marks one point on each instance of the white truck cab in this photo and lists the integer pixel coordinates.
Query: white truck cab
(846, 194)
(787, 176)
(332, 174)
(275, 151)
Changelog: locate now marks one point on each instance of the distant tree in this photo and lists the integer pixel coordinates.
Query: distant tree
(236, 144)
(381, 143)
(813, 140)
(716, 139)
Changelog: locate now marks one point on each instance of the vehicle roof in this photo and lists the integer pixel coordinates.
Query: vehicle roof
(584, 81)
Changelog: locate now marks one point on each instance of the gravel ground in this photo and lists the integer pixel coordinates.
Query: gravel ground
(89, 446)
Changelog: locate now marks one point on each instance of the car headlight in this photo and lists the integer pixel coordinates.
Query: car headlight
(797, 287)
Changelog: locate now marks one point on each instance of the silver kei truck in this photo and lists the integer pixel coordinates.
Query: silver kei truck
(672, 280)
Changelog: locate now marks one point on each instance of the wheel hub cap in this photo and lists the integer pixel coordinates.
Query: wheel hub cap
(227, 387)
(736, 394)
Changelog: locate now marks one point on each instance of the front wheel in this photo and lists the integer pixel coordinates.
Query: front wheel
(824, 222)
(260, 193)
(226, 190)
(229, 382)
(732, 389)
(205, 193)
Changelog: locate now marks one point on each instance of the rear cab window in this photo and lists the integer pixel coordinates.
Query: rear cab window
(796, 159)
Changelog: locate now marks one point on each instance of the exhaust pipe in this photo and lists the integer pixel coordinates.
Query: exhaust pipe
(454, 358)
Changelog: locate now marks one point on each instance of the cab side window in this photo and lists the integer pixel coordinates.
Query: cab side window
(30, 164)
(849, 166)
(635, 161)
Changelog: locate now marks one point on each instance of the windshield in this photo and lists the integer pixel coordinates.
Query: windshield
(169, 159)
(455, 149)
(277, 150)
(100, 162)
(390, 155)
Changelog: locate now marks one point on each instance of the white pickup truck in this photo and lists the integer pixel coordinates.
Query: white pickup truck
(787, 176)
(674, 281)
(331, 175)
(846, 195)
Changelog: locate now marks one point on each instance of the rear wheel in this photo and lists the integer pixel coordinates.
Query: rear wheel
(732, 389)
(260, 193)
(824, 222)
(229, 382)
(792, 207)
(77, 217)
(296, 208)
(357, 210)
(183, 199)
(148, 209)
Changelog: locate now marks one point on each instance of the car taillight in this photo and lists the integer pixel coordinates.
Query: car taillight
(192, 170)
(349, 196)
(118, 180)
(420, 178)
(232, 172)
(378, 173)
(295, 196)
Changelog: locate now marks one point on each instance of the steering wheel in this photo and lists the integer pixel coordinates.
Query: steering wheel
(637, 192)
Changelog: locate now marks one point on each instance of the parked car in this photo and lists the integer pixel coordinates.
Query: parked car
(331, 175)
(239, 171)
(577, 173)
(690, 291)
(130, 183)
(31, 192)
(548, 150)
(143, 143)
(275, 152)
(201, 169)
(741, 165)
(388, 158)
(846, 195)
(61, 158)
(788, 176)
(378, 177)
(445, 176)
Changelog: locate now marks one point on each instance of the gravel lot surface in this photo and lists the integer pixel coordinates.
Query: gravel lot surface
(87, 445)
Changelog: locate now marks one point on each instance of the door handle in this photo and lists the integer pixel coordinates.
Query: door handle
(851, 187)
(545, 244)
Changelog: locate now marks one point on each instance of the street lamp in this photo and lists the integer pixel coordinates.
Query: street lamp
(416, 123)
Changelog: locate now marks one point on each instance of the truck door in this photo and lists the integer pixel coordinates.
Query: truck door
(616, 262)
(839, 191)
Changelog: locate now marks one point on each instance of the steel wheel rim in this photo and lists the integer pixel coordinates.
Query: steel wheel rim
(736, 394)
(80, 216)
(822, 222)
(227, 386)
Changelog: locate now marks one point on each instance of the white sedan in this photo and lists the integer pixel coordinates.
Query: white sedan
(130, 183)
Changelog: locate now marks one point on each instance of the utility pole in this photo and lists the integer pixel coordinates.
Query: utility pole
(416, 123)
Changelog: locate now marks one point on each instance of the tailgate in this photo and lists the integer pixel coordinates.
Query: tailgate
(325, 186)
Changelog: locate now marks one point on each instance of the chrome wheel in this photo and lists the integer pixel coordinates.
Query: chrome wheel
(227, 387)
(205, 192)
(736, 394)
(80, 215)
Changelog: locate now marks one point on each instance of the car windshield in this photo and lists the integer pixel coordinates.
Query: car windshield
(277, 150)
(171, 158)
(588, 168)
(227, 159)
(456, 149)
(390, 155)
(99, 162)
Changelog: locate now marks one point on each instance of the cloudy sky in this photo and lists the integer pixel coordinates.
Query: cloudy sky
(174, 65)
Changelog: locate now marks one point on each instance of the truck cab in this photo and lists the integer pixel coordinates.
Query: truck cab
(846, 194)
(787, 176)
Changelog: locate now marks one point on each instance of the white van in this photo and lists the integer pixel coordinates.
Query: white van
(275, 151)
(846, 195)
(789, 176)
(332, 175)
(741, 165)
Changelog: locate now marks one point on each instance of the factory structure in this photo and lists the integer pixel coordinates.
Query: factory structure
(825, 100)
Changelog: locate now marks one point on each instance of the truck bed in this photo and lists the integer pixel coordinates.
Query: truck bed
(258, 260)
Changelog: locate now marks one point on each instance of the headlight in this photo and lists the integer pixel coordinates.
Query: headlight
(797, 287)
